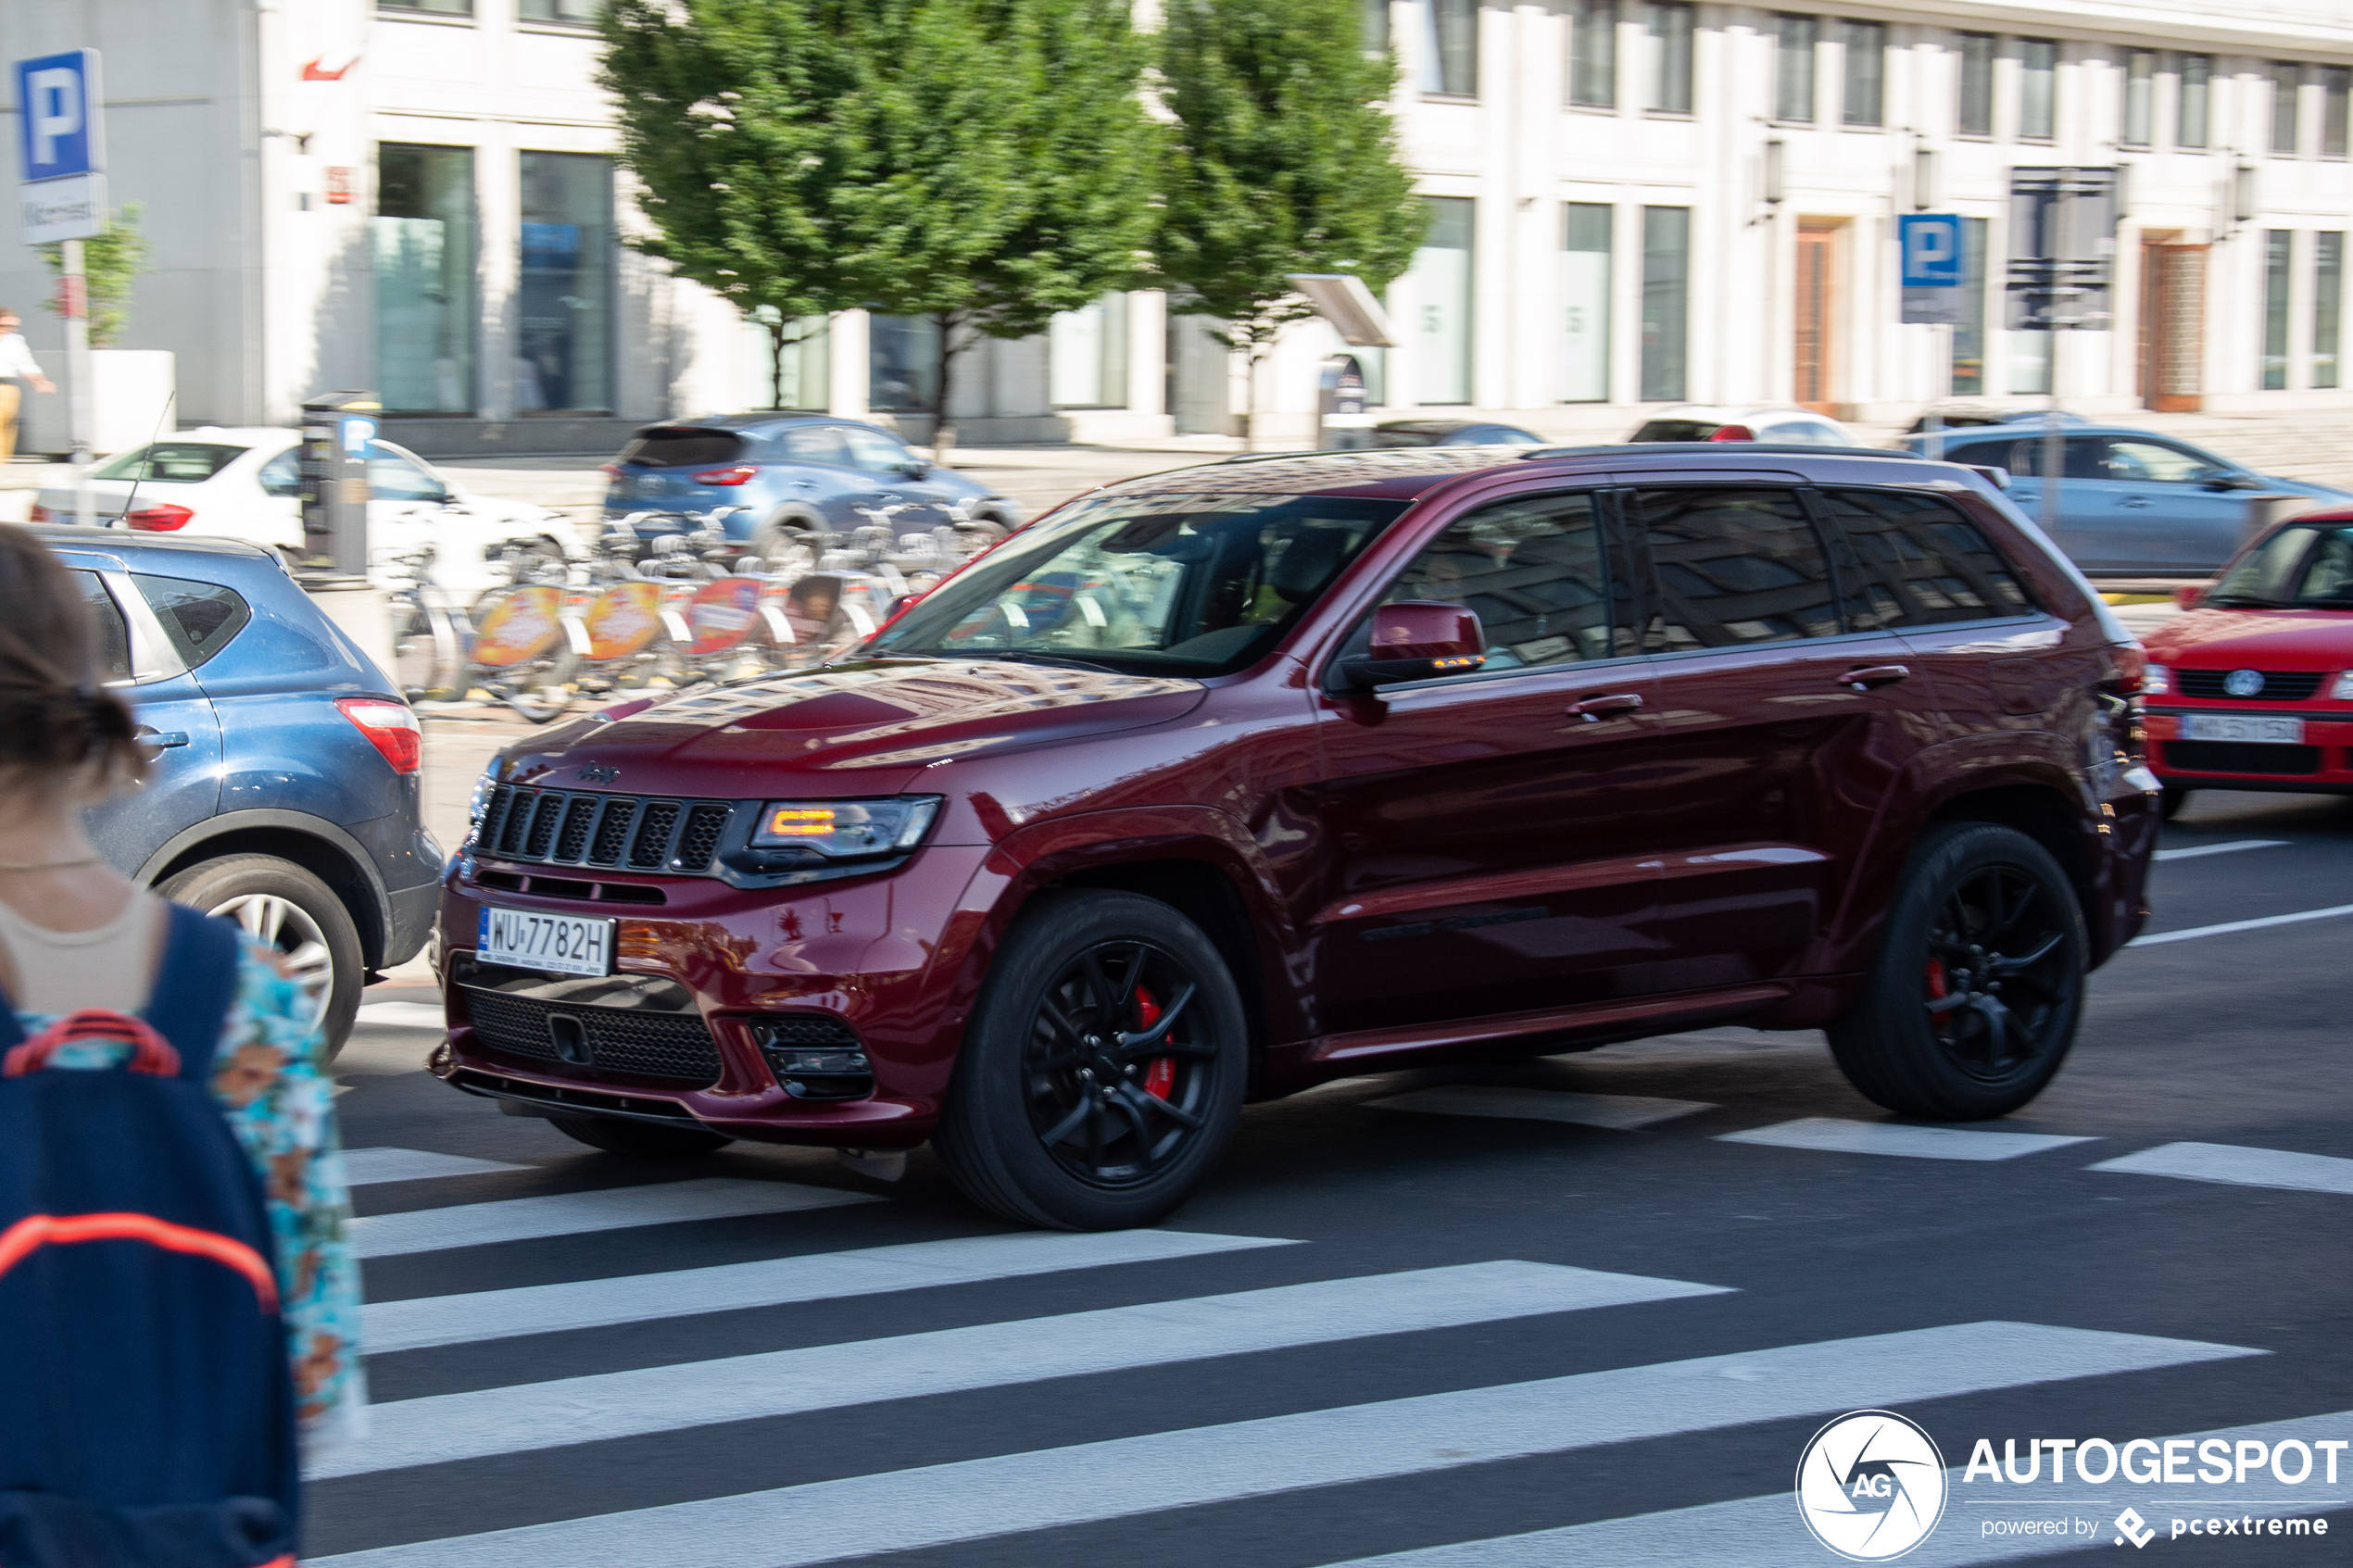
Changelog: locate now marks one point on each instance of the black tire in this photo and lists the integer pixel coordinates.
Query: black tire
(2170, 805)
(1029, 1133)
(639, 1140)
(782, 530)
(291, 909)
(542, 691)
(1982, 910)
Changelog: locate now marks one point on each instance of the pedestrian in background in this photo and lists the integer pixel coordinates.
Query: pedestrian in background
(179, 1305)
(18, 368)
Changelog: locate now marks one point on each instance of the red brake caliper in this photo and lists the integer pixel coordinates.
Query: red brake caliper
(1161, 1076)
(1937, 988)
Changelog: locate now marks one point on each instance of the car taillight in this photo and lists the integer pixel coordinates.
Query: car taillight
(610, 470)
(42, 514)
(160, 519)
(735, 475)
(390, 728)
(1733, 432)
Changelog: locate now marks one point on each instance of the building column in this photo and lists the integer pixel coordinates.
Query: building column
(847, 367)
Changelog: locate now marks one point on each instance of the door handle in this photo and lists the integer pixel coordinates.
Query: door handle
(1591, 708)
(1870, 675)
(2135, 501)
(160, 739)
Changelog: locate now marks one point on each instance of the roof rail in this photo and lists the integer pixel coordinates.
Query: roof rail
(1720, 448)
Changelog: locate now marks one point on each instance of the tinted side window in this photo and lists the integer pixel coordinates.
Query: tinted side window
(199, 618)
(2086, 457)
(2156, 461)
(1532, 571)
(281, 475)
(172, 463)
(811, 444)
(1920, 562)
(392, 477)
(114, 637)
(874, 451)
(1731, 567)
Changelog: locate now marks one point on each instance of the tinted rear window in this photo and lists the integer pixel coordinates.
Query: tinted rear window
(1677, 430)
(1920, 563)
(114, 639)
(682, 447)
(172, 463)
(199, 618)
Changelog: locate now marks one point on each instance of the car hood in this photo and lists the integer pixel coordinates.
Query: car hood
(847, 729)
(2268, 639)
(2311, 487)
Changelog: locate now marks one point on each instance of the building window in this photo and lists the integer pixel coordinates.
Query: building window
(423, 237)
(1376, 20)
(581, 11)
(2335, 80)
(1668, 29)
(1442, 296)
(1667, 272)
(1585, 302)
(2287, 77)
(2328, 305)
(564, 341)
(2037, 88)
(2139, 98)
(2030, 361)
(1593, 55)
(1975, 116)
(1450, 51)
(2190, 107)
(902, 363)
(1969, 332)
(1793, 40)
(2279, 247)
(428, 7)
(1866, 73)
(1086, 356)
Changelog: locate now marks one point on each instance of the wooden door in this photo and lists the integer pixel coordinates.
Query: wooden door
(1816, 314)
(2172, 327)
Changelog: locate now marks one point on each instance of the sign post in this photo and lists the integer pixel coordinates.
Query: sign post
(62, 201)
(2062, 266)
(1930, 247)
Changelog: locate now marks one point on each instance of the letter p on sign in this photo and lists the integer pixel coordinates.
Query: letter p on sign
(57, 96)
(1932, 247)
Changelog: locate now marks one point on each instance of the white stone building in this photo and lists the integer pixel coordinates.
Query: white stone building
(418, 197)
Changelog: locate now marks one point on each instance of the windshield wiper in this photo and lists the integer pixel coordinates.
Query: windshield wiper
(1022, 655)
(2248, 599)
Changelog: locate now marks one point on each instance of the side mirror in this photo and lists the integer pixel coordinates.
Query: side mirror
(2188, 594)
(2234, 482)
(1416, 640)
(916, 468)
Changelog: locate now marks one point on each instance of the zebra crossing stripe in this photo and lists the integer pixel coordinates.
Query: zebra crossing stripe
(544, 1309)
(1622, 1112)
(362, 1166)
(664, 1398)
(896, 1511)
(2239, 1167)
(1766, 1533)
(1832, 1134)
(573, 1214)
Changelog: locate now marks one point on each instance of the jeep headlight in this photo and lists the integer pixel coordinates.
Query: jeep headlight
(845, 830)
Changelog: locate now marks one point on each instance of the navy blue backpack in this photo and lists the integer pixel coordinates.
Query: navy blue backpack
(146, 1407)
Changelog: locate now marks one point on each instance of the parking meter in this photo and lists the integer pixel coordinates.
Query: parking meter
(337, 427)
(1342, 422)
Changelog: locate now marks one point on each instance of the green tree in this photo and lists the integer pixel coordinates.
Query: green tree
(727, 115)
(1281, 158)
(112, 261)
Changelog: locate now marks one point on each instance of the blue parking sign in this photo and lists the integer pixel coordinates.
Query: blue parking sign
(57, 115)
(1931, 248)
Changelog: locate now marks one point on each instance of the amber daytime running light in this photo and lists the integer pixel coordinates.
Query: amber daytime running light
(839, 829)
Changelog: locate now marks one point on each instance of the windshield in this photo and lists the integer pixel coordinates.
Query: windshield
(2309, 566)
(1159, 585)
(172, 462)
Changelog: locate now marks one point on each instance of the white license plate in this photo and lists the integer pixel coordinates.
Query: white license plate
(552, 944)
(2233, 726)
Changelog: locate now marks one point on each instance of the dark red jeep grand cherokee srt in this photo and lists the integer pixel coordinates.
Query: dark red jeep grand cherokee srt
(1215, 784)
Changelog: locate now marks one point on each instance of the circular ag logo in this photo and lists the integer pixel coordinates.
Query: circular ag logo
(1871, 1486)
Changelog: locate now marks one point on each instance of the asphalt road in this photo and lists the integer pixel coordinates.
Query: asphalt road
(1510, 1339)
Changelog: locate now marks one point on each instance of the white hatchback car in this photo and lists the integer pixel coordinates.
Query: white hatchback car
(245, 483)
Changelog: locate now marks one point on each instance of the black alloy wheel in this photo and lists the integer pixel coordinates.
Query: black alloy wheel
(1996, 979)
(1118, 1074)
(1971, 1002)
(1101, 1075)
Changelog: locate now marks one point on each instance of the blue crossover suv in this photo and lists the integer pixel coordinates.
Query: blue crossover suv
(805, 473)
(286, 788)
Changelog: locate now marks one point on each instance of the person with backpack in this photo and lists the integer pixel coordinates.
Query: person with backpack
(179, 1306)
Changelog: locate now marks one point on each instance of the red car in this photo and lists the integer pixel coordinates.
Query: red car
(1319, 766)
(2252, 688)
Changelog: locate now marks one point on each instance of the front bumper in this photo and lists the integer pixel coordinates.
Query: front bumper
(2323, 765)
(699, 982)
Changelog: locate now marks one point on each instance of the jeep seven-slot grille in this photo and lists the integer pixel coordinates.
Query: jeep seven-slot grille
(593, 828)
